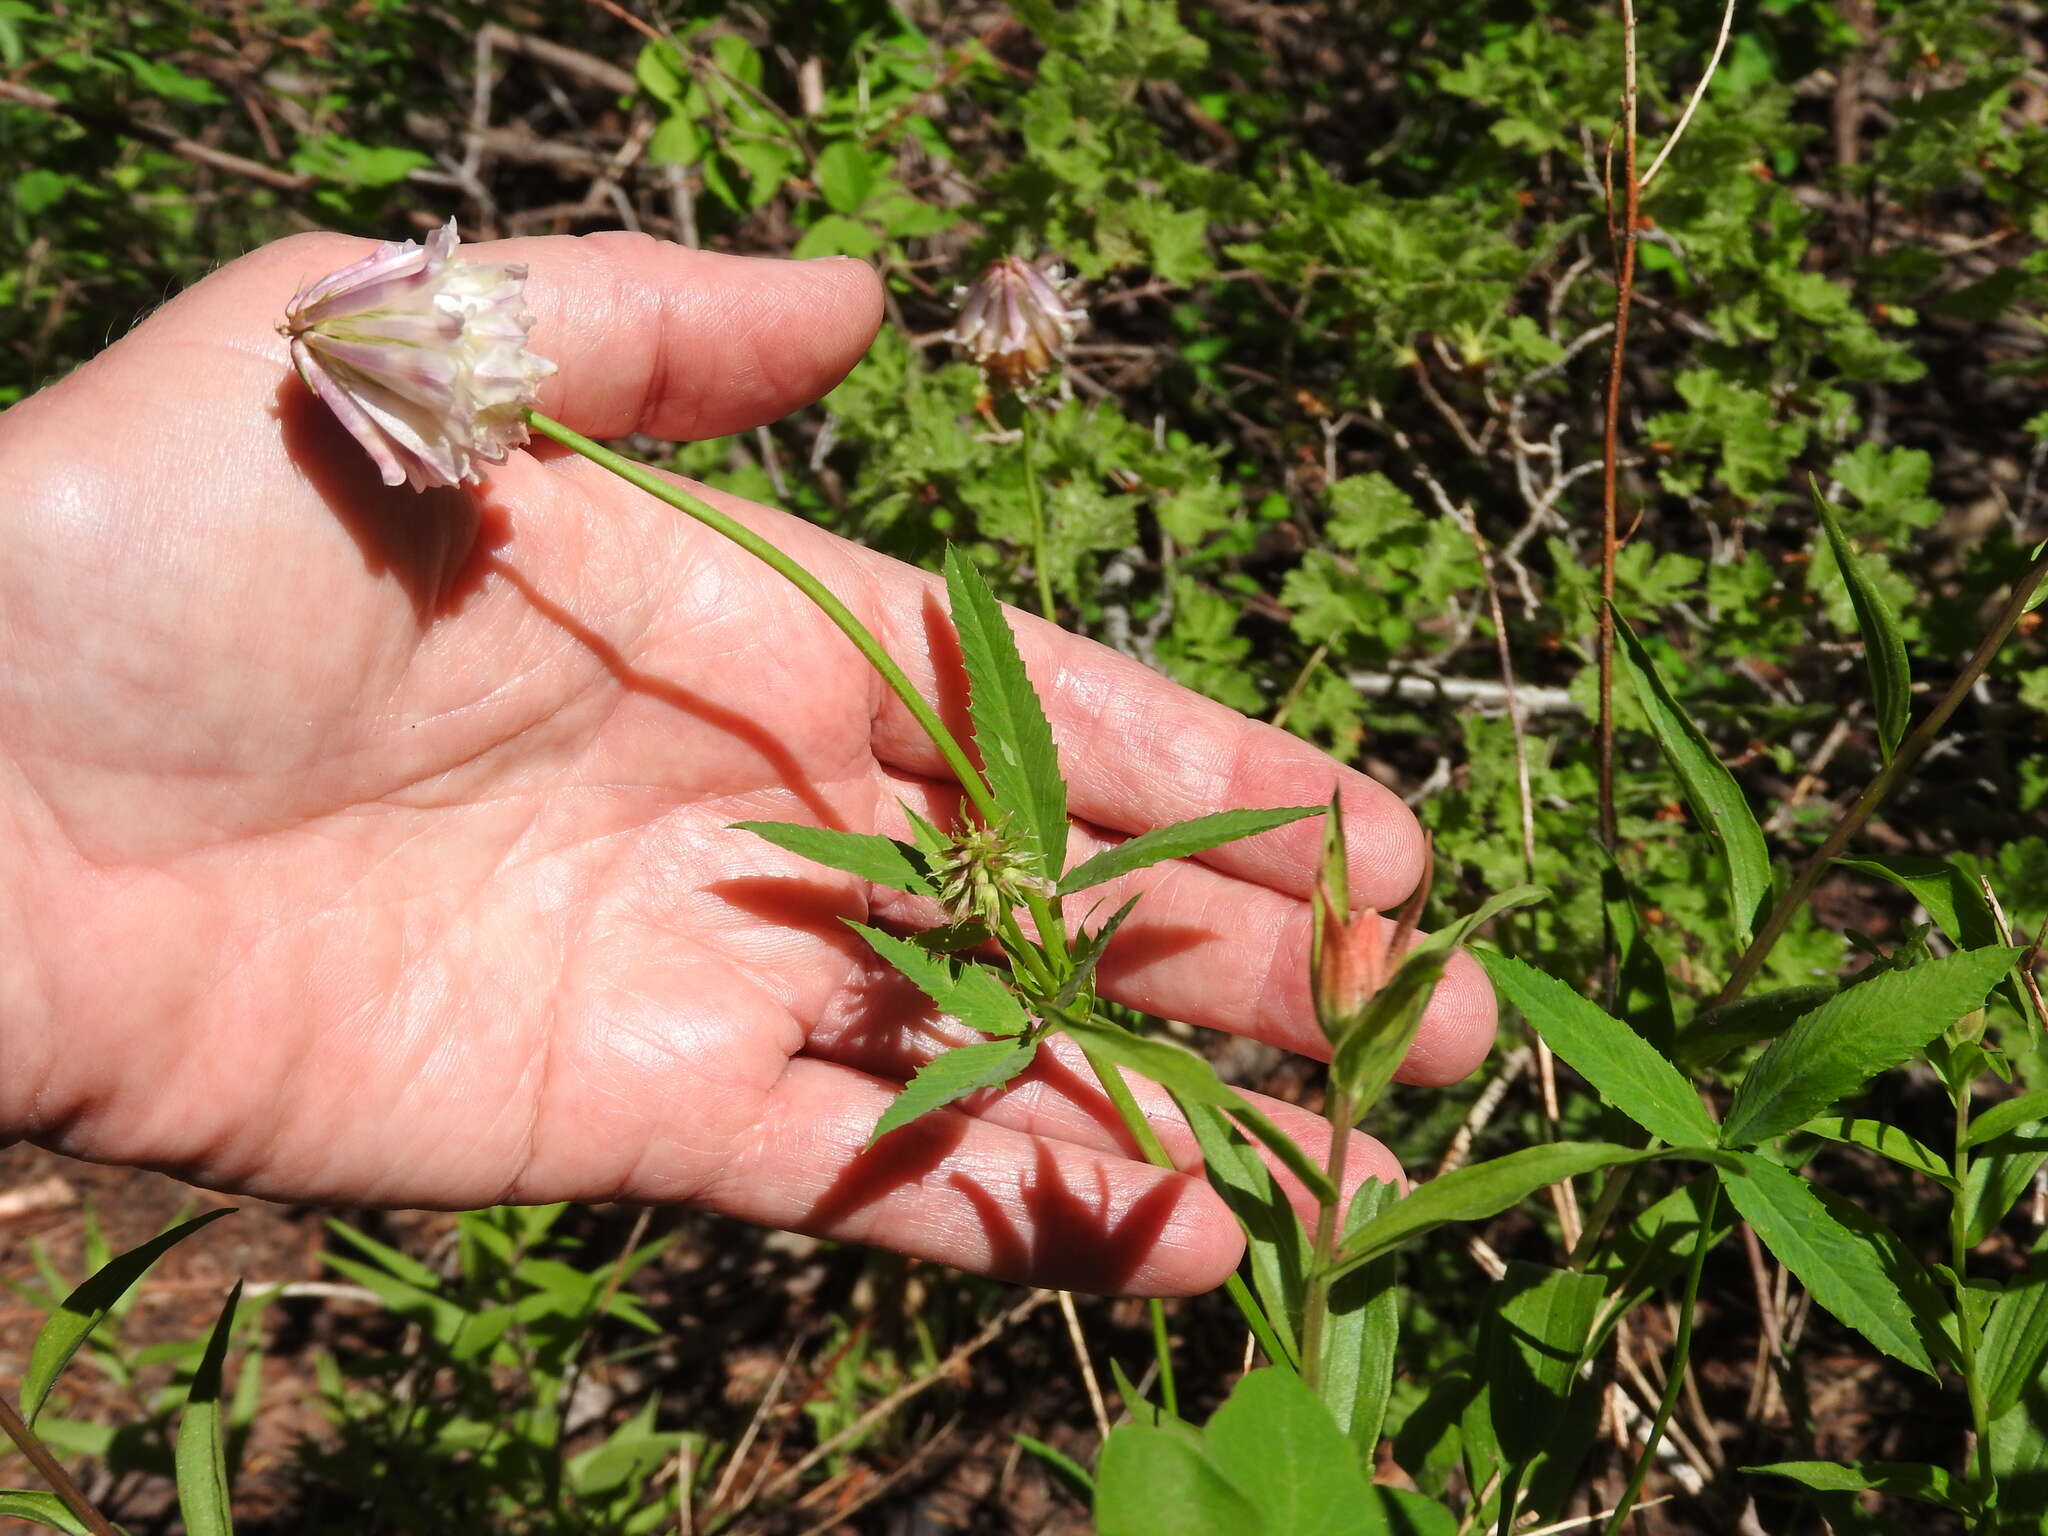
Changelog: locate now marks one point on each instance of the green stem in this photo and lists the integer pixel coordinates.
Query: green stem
(927, 718)
(1887, 779)
(1681, 1352)
(1034, 498)
(1315, 1304)
(1966, 1329)
(1111, 1076)
(1162, 1349)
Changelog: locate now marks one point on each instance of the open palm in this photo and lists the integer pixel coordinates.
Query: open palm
(371, 847)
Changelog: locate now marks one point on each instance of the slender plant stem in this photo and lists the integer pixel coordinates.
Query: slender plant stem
(1162, 1349)
(1034, 495)
(52, 1472)
(1315, 1304)
(1888, 778)
(1681, 1353)
(1966, 1330)
(640, 476)
(1624, 238)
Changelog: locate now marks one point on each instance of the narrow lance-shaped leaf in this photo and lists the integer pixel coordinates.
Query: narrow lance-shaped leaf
(955, 1075)
(1886, 1141)
(202, 1465)
(1178, 841)
(1361, 1331)
(1846, 1261)
(1884, 647)
(1900, 1479)
(1088, 953)
(85, 1308)
(1537, 1332)
(1275, 1243)
(1717, 801)
(38, 1508)
(1720, 1032)
(1622, 1066)
(2000, 1119)
(1191, 1079)
(971, 993)
(1866, 1029)
(2001, 1171)
(1010, 729)
(2015, 1342)
(877, 860)
(1487, 1189)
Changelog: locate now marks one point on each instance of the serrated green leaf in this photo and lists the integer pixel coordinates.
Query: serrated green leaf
(1884, 647)
(877, 860)
(1178, 841)
(1854, 1035)
(2009, 1116)
(1851, 1266)
(86, 1308)
(1623, 1067)
(1487, 1189)
(1010, 729)
(1887, 1141)
(1717, 801)
(971, 993)
(204, 1499)
(952, 1076)
(1192, 1080)
(1900, 1479)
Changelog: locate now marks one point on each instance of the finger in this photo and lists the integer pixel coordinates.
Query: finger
(645, 336)
(1139, 751)
(976, 1195)
(1220, 952)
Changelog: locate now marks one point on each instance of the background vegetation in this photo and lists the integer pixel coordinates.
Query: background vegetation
(1331, 452)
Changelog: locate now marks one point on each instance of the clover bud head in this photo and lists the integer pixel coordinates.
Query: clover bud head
(422, 355)
(1017, 323)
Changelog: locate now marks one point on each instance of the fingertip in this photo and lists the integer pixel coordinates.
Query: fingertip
(1457, 1027)
(1384, 844)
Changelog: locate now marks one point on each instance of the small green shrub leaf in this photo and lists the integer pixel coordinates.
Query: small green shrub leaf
(877, 860)
(1010, 729)
(202, 1464)
(1884, 647)
(952, 1076)
(1710, 789)
(86, 1308)
(1622, 1066)
(973, 994)
(1856, 1034)
(1178, 841)
(1851, 1266)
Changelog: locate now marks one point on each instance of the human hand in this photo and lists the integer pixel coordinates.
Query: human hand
(371, 847)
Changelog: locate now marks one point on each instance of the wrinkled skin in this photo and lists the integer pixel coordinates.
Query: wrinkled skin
(370, 847)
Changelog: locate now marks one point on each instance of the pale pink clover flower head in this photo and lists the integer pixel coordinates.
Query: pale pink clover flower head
(422, 355)
(1017, 322)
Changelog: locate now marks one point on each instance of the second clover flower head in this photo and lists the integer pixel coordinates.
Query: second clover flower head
(422, 355)
(1017, 323)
